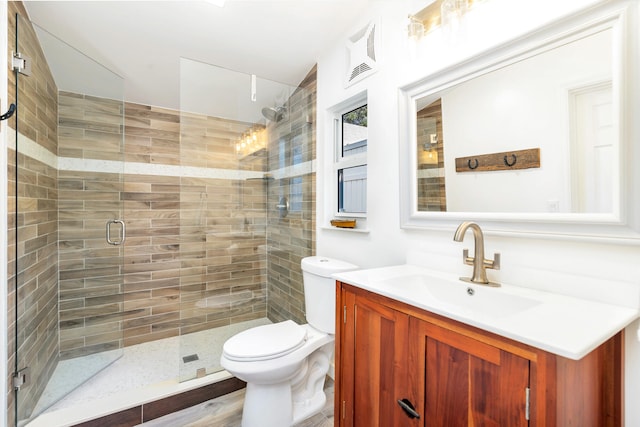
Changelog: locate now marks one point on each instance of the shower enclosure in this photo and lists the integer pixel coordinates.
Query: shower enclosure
(66, 222)
(223, 207)
(138, 225)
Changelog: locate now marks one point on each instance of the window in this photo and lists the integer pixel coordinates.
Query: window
(351, 159)
(352, 189)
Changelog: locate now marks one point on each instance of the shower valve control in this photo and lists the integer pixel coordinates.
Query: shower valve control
(283, 206)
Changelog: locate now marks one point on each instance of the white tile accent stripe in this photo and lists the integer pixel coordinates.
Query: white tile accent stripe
(36, 151)
(89, 165)
(295, 170)
(32, 149)
(430, 173)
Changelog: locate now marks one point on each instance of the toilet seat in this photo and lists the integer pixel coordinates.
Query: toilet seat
(265, 342)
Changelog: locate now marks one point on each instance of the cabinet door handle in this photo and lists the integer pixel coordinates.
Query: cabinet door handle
(408, 408)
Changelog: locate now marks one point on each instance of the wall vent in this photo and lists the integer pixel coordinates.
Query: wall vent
(361, 53)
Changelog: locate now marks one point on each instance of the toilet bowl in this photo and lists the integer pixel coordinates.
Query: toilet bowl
(285, 364)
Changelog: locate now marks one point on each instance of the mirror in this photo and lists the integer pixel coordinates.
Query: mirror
(558, 101)
(526, 137)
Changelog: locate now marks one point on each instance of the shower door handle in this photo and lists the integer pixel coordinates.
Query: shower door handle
(122, 232)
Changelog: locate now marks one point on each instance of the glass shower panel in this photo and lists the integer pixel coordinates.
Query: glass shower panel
(291, 233)
(225, 137)
(69, 239)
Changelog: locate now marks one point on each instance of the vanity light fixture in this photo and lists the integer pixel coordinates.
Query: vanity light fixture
(451, 12)
(252, 141)
(432, 143)
(431, 147)
(415, 28)
(446, 14)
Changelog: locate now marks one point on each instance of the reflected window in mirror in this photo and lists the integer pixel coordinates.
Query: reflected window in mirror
(351, 125)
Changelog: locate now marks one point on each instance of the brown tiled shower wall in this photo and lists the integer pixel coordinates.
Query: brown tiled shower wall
(292, 237)
(195, 253)
(201, 251)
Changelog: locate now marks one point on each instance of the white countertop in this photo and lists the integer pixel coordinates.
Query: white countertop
(567, 326)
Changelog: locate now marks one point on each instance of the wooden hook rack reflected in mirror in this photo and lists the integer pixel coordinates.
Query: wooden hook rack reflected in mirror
(506, 160)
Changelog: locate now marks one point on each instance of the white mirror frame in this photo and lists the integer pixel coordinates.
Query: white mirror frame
(622, 225)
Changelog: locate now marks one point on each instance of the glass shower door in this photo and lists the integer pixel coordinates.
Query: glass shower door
(227, 122)
(67, 222)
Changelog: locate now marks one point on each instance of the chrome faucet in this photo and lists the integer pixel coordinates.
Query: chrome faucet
(480, 264)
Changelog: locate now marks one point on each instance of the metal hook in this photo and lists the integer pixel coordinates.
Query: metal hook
(9, 113)
(506, 162)
(474, 166)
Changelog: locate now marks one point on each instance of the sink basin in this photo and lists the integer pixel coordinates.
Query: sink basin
(564, 325)
(455, 295)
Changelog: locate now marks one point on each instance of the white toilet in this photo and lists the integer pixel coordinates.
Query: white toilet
(284, 364)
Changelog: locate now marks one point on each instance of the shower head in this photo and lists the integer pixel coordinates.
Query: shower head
(275, 114)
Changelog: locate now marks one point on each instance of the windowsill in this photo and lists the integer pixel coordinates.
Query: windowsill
(348, 230)
(349, 215)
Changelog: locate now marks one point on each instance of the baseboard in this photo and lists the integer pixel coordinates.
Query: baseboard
(136, 407)
(168, 405)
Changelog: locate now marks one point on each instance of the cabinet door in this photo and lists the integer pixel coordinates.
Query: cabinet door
(374, 356)
(467, 382)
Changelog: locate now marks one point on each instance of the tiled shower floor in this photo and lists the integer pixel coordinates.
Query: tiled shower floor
(140, 366)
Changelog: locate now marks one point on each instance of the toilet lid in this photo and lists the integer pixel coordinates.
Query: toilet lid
(265, 342)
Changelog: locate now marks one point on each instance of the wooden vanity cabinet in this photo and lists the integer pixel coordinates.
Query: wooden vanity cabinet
(453, 374)
(371, 362)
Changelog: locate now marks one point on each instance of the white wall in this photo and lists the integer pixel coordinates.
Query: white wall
(548, 264)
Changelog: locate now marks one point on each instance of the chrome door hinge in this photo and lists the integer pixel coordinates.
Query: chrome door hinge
(20, 378)
(21, 63)
(344, 314)
(527, 408)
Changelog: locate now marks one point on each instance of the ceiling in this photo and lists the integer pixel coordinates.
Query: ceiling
(144, 41)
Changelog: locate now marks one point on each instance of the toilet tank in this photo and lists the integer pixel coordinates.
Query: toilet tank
(320, 290)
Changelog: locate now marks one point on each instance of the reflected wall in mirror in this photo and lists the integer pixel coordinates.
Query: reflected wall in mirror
(559, 100)
(565, 92)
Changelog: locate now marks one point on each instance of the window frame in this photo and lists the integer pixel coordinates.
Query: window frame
(341, 162)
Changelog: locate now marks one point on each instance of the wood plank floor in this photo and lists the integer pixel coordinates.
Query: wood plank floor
(226, 411)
